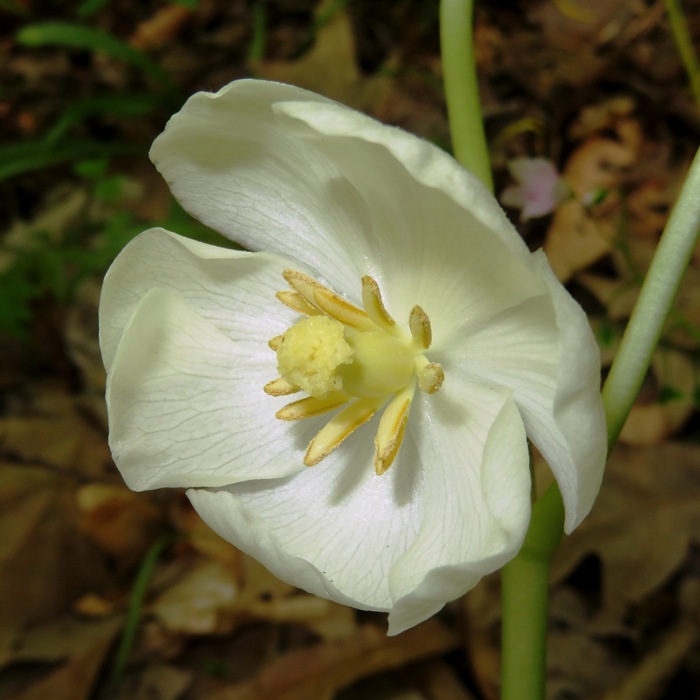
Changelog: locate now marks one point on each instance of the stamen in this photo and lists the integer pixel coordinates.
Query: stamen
(430, 377)
(327, 301)
(390, 432)
(374, 306)
(339, 309)
(296, 302)
(280, 387)
(310, 406)
(302, 283)
(353, 359)
(419, 324)
(340, 427)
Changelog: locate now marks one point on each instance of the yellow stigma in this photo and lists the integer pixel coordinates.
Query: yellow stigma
(310, 353)
(357, 359)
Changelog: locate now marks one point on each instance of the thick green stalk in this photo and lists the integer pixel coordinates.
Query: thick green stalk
(525, 589)
(655, 299)
(462, 88)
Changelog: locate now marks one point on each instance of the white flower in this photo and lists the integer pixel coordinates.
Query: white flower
(367, 225)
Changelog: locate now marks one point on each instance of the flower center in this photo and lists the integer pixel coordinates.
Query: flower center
(342, 355)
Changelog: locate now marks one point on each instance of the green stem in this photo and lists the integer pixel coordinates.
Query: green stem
(684, 42)
(654, 304)
(525, 588)
(462, 88)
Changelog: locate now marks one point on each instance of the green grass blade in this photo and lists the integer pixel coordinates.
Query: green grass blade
(77, 36)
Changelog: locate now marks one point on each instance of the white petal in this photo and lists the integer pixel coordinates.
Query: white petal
(453, 506)
(186, 404)
(429, 165)
(231, 163)
(279, 168)
(578, 411)
(476, 499)
(345, 523)
(233, 289)
(544, 351)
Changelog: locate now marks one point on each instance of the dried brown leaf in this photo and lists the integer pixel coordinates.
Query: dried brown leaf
(75, 679)
(121, 522)
(199, 601)
(575, 239)
(580, 666)
(330, 68)
(70, 442)
(321, 670)
(212, 598)
(653, 421)
(45, 562)
(646, 516)
(63, 637)
(646, 681)
(578, 236)
(161, 27)
(158, 682)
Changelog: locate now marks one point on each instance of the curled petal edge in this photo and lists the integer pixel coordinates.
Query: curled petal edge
(578, 410)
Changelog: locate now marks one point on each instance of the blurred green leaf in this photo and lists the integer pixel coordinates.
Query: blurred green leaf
(90, 7)
(17, 294)
(25, 157)
(110, 105)
(667, 394)
(91, 168)
(76, 36)
(109, 189)
(607, 335)
(256, 50)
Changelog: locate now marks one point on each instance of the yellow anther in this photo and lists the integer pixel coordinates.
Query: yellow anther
(316, 295)
(310, 406)
(274, 343)
(419, 323)
(302, 283)
(391, 431)
(374, 306)
(345, 312)
(341, 426)
(430, 377)
(280, 387)
(296, 302)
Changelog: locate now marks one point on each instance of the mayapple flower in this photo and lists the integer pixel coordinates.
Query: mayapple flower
(351, 405)
(540, 189)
